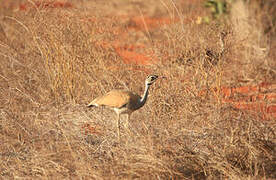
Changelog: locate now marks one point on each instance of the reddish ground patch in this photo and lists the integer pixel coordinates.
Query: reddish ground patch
(89, 129)
(131, 53)
(260, 98)
(146, 23)
(132, 57)
(135, 54)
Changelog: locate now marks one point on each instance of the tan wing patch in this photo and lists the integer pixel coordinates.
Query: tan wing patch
(115, 98)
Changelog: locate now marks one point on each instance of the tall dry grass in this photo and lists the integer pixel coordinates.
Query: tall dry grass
(51, 66)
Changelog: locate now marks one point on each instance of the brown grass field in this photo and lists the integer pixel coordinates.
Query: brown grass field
(213, 117)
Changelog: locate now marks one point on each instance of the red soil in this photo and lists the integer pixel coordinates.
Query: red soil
(147, 23)
(132, 57)
(89, 129)
(260, 98)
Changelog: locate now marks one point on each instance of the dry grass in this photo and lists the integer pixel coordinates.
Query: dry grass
(51, 65)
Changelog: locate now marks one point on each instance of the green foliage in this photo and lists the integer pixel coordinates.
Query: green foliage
(216, 7)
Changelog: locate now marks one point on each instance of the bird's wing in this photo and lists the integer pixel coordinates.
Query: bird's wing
(115, 98)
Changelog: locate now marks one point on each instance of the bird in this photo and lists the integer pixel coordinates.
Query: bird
(124, 101)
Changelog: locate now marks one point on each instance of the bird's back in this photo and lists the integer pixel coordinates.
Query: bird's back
(117, 99)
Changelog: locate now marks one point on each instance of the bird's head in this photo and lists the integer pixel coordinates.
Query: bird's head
(151, 79)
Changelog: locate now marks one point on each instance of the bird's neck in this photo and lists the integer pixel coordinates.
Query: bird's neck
(145, 96)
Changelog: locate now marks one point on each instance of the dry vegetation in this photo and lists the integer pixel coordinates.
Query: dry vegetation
(53, 61)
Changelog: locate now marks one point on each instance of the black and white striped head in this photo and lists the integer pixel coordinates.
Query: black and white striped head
(151, 79)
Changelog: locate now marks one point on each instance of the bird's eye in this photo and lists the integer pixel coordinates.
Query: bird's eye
(152, 77)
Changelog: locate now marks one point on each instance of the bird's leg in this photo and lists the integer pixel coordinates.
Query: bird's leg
(118, 125)
(126, 124)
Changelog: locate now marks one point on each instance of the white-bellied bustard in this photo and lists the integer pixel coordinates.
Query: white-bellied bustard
(123, 101)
